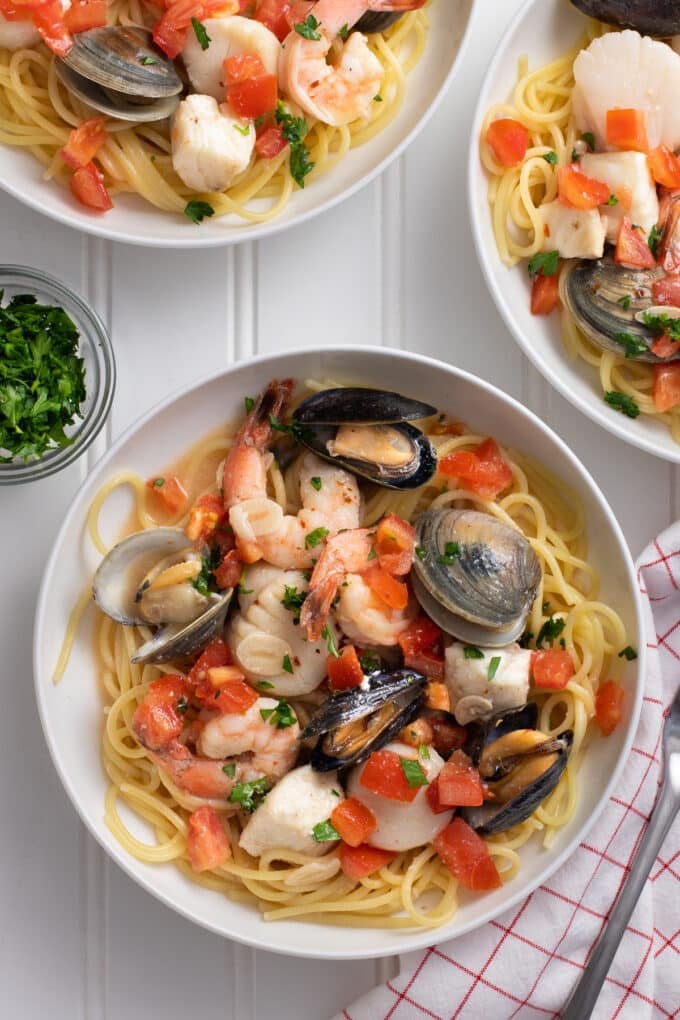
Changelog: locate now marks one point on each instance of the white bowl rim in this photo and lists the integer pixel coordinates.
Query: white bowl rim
(626, 429)
(407, 941)
(244, 232)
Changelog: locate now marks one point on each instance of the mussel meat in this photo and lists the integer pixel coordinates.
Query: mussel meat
(521, 766)
(353, 724)
(118, 71)
(369, 432)
(149, 579)
(650, 17)
(475, 576)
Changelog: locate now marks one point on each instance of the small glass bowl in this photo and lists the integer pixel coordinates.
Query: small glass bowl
(100, 371)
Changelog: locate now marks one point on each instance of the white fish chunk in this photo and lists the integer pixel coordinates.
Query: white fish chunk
(210, 146)
(17, 35)
(228, 37)
(627, 174)
(286, 819)
(473, 693)
(574, 233)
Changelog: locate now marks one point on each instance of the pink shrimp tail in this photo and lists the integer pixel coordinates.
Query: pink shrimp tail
(272, 403)
(348, 552)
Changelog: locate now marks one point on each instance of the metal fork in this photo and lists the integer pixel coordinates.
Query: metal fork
(586, 992)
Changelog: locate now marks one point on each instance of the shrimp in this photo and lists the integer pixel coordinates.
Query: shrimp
(365, 618)
(340, 89)
(272, 751)
(330, 496)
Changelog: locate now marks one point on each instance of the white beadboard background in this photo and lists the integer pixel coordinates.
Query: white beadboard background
(393, 265)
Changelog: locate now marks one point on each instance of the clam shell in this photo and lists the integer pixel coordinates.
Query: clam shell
(124, 60)
(115, 104)
(177, 642)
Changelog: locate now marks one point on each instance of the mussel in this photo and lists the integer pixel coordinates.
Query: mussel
(474, 576)
(521, 766)
(148, 579)
(608, 303)
(118, 71)
(649, 17)
(353, 724)
(369, 432)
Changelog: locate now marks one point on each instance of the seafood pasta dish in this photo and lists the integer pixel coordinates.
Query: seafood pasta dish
(202, 107)
(352, 656)
(584, 184)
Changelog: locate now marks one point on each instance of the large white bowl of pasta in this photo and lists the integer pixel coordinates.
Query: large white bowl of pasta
(531, 81)
(587, 594)
(194, 191)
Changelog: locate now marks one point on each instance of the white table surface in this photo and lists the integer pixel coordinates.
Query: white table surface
(393, 265)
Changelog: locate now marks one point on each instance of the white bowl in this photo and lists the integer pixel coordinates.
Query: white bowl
(134, 221)
(71, 713)
(543, 30)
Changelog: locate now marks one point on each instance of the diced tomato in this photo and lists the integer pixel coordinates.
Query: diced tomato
(508, 140)
(270, 142)
(467, 857)
(577, 189)
(432, 797)
(430, 664)
(608, 706)
(483, 470)
(48, 18)
(87, 184)
(274, 14)
(83, 15)
(437, 696)
(159, 718)
(417, 733)
(216, 654)
(551, 668)
(664, 347)
(390, 591)
(395, 540)
(632, 248)
(207, 842)
(354, 821)
(344, 672)
(665, 167)
(447, 735)
(421, 635)
(168, 492)
(233, 697)
(228, 574)
(254, 97)
(667, 291)
(626, 129)
(218, 676)
(171, 31)
(666, 387)
(360, 861)
(243, 66)
(545, 294)
(205, 516)
(384, 775)
(459, 782)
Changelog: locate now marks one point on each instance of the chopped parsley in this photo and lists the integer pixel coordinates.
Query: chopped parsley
(420, 552)
(292, 598)
(197, 210)
(308, 28)
(315, 537)
(589, 138)
(148, 61)
(371, 553)
(182, 705)
(413, 771)
(624, 301)
(550, 631)
(622, 402)
(209, 565)
(550, 157)
(42, 378)
(316, 483)
(294, 129)
(424, 751)
(324, 831)
(370, 662)
(327, 635)
(344, 32)
(545, 262)
(201, 34)
(631, 344)
(287, 664)
(664, 324)
(628, 653)
(654, 239)
(378, 98)
(242, 129)
(293, 429)
(249, 404)
(229, 770)
(612, 200)
(494, 663)
(159, 482)
(575, 156)
(470, 652)
(335, 793)
(281, 717)
(248, 795)
(264, 685)
(450, 554)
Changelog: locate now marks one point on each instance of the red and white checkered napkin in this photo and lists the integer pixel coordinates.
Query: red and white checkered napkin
(526, 963)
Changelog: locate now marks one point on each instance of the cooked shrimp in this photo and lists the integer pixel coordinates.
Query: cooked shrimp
(272, 751)
(365, 618)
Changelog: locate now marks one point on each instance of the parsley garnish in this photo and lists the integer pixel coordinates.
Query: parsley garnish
(229, 770)
(632, 345)
(245, 130)
(612, 200)
(197, 210)
(182, 705)
(628, 653)
(201, 34)
(159, 482)
(450, 554)
(369, 662)
(378, 98)
(371, 553)
(294, 429)
(622, 402)
(287, 664)
(327, 635)
(308, 28)
(344, 32)
(148, 61)
(654, 239)
(316, 483)
(575, 156)
(324, 831)
(264, 685)
(249, 795)
(589, 138)
(550, 631)
(315, 537)
(294, 129)
(249, 403)
(424, 751)
(494, 663)
(624, 301)
(545, 262)
(470, 652)
(292, 598)
(335, 793)
(281, 717)
(413, 771)
(421, 553)
(209, 565)
(664, 324)
(550, 157)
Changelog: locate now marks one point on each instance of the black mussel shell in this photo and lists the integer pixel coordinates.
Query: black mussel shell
(372, 22)
(649, 17)
(482, 733)
(360, 406)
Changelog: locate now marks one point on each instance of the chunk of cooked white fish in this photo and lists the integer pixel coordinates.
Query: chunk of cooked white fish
(286, 819)
(210, 146)
(17, 35)
(629, 179)
(625, 70)
(574, 233)
(228, 37)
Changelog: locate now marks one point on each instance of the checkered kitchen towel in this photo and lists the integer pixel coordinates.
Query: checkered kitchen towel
(525, 964)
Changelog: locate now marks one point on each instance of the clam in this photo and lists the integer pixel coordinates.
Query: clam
(353, 724)
(607, 301)
(368, 432)
(118, 71)
(474, 575)
(521, 766)
(649, 17)
(148, 579)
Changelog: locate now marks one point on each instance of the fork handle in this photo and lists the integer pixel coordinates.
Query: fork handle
(585, 995)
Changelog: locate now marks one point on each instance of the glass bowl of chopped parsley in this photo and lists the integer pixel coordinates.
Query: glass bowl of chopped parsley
(57, 375)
